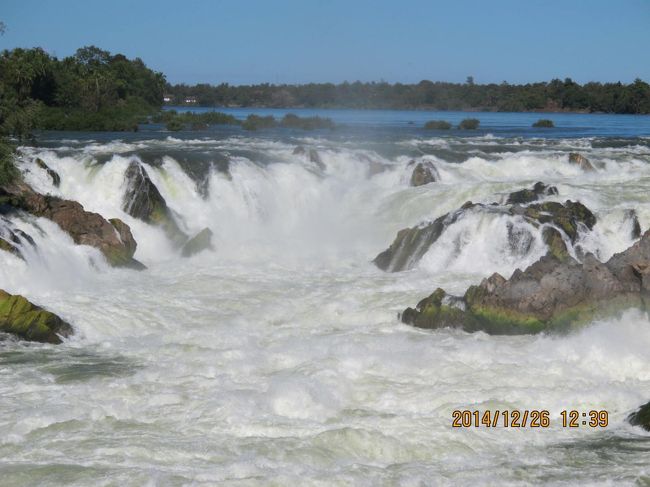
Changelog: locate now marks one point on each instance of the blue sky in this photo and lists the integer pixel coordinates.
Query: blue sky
(293, 41)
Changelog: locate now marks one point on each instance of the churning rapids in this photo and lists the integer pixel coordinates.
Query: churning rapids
(278, 358)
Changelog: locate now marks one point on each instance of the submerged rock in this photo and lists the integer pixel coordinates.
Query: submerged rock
(538, 191)
(550, 295)
(312, 155)
(424, 173)
(200, 242)
(27, 321)
(411, 244)
(142, 200)
(56, 179)
(582, 161)
(85, 228)
(641, 417)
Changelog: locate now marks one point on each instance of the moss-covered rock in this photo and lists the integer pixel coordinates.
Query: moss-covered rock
(27, 321)
(567, 216)
(553, 294)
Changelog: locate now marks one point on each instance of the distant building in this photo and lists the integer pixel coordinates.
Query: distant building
(168, 98)
(190, 100)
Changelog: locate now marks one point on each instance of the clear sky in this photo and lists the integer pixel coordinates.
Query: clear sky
(297, 41)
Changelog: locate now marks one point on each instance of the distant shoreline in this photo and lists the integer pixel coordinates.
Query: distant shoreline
(408, 109)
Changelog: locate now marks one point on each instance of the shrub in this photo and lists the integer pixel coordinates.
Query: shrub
(437, 125)
(174, 125)
(469, 124)
(255, 122)
(291, 120)
(8, 170)
(544, 123)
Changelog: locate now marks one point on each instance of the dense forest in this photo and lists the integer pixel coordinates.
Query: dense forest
(92, 90)
(553, 96)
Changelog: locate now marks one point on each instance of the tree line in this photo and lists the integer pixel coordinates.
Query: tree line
(91, 90)
(554, 96)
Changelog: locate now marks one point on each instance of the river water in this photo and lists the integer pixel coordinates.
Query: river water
(278, 358)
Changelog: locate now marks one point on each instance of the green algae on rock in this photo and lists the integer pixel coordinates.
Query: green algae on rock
(553, 294)
(27, 321)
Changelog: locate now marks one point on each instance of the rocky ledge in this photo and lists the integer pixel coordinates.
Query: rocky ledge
(560, 222)
(29, 322)
(113, 238)
(551, 295)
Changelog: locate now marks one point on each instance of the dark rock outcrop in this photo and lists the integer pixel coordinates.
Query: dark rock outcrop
(641, 417)
(312, 155)
(56, 179)
(12, 239)
(27, 321)
(142, 200)
(550, 295)
(411, 244)
(538, 191)
(582, 161)
(636, 226)
(424, 173)
(85, 228)
(200, 242)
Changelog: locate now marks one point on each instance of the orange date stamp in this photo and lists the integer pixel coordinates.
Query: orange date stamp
(527, 418)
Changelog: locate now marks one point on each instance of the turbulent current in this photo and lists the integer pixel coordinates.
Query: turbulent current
(278, 358)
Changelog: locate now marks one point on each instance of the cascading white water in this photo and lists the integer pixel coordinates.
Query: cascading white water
(278, 357)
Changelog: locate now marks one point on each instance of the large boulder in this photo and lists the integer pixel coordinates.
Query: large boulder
(581, 161)
(550, 295)
(85, 228)
(27, 321)
(411, 244)
(424, 173)
(538, 191)
(142, 200)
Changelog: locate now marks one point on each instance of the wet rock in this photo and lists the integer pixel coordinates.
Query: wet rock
(636, 226)
(142, 200)
(550, 295)
(200, 242)
(312, 155)
(538, 191)
(582, 161)
(13, 239)
(56, 179)
(85, 228)
(556, 245)
(411, 244)
(29, 322)
(641, 417)
(424, 173)
(569, 216)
